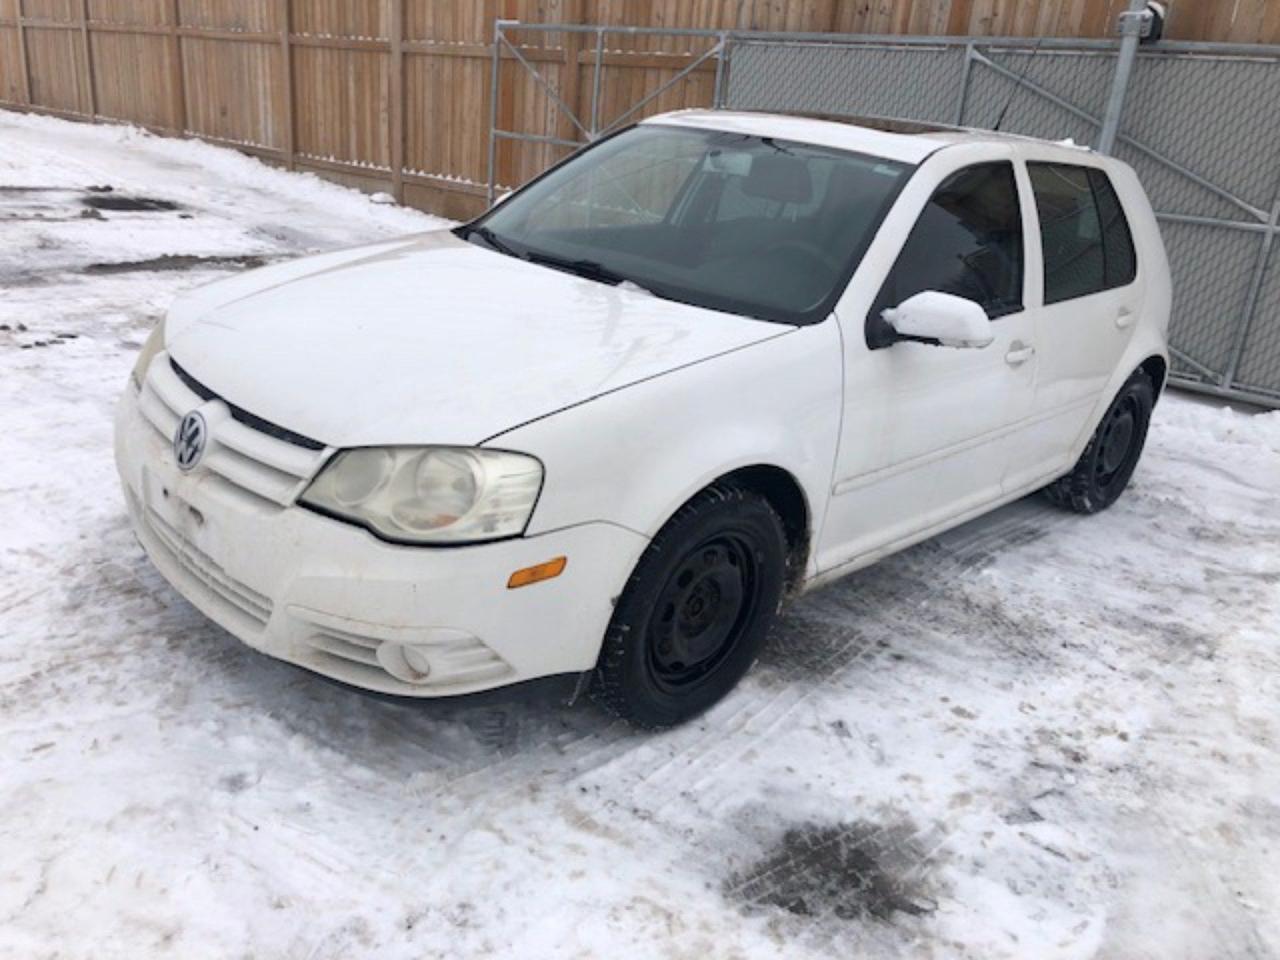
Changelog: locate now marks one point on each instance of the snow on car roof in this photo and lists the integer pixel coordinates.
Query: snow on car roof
(909, 141)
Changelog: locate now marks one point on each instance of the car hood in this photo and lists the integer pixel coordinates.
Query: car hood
(430, 339)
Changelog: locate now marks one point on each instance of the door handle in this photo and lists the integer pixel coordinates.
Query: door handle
(1019, 353)
(1124, 318)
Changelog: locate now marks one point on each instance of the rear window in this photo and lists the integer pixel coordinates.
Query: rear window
(1086, 240)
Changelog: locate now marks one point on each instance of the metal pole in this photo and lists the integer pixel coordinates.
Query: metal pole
(1252, 302)
(395, 93)
(965, 73)
(289, 147)
(493, 110)
(24, 74)
(1130, 33)
(88, 57)
(595, 118)
(722, 51)
(595, 84)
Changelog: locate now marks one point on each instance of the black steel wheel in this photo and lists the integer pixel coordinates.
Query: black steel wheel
(1112, 454)
(701, 610)
(696, 610)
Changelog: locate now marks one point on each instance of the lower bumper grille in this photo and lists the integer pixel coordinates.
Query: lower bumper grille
(346, 646)
(353, 657)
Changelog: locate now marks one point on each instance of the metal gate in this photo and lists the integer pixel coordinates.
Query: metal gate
(1200, 125)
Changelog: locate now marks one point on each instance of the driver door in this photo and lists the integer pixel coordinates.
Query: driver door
(928, 432)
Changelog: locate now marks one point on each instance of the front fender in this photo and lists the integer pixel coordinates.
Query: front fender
(634, 456)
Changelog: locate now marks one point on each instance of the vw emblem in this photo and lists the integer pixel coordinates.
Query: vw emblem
(189, 440)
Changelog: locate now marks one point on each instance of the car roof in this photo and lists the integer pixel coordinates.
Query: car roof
(909, 141)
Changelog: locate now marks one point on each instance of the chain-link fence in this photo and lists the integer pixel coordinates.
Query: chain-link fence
(1200, 126)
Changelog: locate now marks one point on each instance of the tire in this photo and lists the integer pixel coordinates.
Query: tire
(696, 610)
(1109, 459)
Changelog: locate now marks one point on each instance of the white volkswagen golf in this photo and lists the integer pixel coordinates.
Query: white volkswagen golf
(710, 362)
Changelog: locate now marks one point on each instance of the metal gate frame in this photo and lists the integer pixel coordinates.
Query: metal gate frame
(1265, 223)
(593, 129)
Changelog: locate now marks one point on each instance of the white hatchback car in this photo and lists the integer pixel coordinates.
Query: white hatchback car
(602, 431)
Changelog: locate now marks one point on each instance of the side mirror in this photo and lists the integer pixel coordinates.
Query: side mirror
(940, 318)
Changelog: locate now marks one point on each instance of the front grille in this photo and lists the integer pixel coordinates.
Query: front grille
(206, 571)
(260, 458)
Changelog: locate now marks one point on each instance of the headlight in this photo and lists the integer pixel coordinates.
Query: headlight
(430, 494)
(153, 345)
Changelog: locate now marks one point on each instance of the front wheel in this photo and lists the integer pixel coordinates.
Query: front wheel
(1104, 469)
(696, 610)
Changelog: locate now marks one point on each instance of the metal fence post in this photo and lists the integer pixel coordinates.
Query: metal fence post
(24, 73)
(178, 92)
(965, 73)
(290, 132)
(1253, 301)
(717, 94)
(87, 44)
(493, 110)
(395, 129)
(1130, 33)
(595, 84)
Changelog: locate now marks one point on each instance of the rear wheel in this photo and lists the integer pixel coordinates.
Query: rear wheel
(1104, 469)
(696, 610)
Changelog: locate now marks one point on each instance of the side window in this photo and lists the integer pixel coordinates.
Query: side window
(1086, 240)
(1121, 265)
(967, 242)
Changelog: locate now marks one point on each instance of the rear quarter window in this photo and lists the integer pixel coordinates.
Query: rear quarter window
(1085, 237)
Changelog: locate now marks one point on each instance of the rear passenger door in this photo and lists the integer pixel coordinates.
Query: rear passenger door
(1091, 299)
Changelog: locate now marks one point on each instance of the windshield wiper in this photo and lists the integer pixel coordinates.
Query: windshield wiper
(493, 240)
(589, 269)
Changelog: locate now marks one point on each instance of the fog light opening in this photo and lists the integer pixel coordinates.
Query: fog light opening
(405, 663)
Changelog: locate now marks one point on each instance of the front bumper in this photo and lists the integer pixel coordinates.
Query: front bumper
(332, 598)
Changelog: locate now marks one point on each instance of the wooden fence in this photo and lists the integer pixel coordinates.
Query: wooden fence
(394, 94)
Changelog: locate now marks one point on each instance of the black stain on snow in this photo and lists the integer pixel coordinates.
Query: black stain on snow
(852, 871)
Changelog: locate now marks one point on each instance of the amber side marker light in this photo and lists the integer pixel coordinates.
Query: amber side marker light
(547, 570)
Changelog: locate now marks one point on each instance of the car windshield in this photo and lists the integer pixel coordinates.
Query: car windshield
(757, 226)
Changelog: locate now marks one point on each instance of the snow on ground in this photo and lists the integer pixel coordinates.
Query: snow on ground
(1038, 736)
